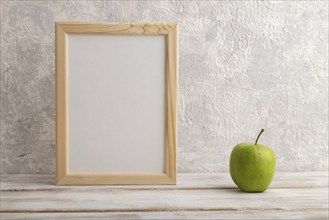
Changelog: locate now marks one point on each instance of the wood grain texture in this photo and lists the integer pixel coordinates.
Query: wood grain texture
(281, 180)
(268, 214)
(171, 101)
(116, 179)
(167, 29)
(61, 104)
(197, 196)
(117, 28)
(125, 200)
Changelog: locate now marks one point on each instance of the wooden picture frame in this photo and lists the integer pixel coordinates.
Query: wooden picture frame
(64, 176)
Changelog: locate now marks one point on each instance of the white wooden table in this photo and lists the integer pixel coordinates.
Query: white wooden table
(302, 195)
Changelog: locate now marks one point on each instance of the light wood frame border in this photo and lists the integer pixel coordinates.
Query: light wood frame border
(170, 30)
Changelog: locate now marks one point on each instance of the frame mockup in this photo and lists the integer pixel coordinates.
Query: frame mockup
(116, 103)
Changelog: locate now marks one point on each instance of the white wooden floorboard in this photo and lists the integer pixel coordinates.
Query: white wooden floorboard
(163, 200)
(301, 195)
(213, 180)
(315, 215)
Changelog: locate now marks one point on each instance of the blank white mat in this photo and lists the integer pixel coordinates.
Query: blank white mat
(116, 103)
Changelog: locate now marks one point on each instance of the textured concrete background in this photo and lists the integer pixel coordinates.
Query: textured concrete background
(243, 66)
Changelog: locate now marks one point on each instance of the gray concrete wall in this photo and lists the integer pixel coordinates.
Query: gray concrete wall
(243, 66)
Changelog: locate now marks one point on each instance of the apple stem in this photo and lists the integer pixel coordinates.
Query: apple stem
(259, 135)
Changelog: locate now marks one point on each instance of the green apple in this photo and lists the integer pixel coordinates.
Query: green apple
(252, 166)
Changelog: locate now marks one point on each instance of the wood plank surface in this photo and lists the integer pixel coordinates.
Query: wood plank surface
(316, 215)
(82, 200)
(190, 181)
(301, 195)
